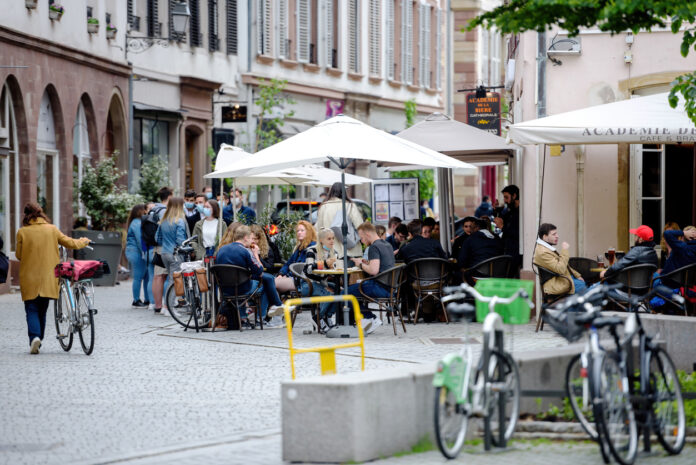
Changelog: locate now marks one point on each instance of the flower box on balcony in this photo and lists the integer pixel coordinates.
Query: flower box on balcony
(92, 25)
(31, 4)
(111, 31)
(55, 11)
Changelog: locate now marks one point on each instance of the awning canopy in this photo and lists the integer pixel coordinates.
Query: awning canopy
(640, 120)
(466, 143)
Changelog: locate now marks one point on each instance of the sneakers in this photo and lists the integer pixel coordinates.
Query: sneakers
(35, 345)
(275, 310)
(366, 324)
(138, 304)
(275, 322)
(151, 307)
(246, 324)
(376, 323)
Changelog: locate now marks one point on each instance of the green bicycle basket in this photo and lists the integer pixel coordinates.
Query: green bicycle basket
(516, 313)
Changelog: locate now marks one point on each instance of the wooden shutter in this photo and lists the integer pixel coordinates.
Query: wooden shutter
(195, 24)
(129, 9)
(231, 23)
(390, 39)
(354, 35)
(283, 51)
(329, 37)
(263, 27)
(304, 30)
(152, 18)
(407, 42)
(424, 51)
(438, 49)
(375, 20)
(213, 36)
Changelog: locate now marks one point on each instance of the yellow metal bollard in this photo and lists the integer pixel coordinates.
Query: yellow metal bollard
(327, 355)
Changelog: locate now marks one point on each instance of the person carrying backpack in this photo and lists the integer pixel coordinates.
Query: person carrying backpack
(149, 224)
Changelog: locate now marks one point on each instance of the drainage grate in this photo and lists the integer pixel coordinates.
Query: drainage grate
(453, 340)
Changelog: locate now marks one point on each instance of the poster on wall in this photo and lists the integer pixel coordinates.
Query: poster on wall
(395, 197)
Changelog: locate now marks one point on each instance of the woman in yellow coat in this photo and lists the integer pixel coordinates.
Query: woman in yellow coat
(37, 252)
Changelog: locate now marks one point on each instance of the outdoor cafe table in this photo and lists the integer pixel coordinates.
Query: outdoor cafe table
(354, 273)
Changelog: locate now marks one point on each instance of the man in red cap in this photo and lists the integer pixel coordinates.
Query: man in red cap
(643, 252)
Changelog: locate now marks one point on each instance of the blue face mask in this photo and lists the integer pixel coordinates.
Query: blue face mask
(199, 207)
(326, 248)
(207, 212)
(209, 195)
(189, 205)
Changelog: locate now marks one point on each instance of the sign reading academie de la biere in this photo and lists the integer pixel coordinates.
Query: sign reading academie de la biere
(484, 113)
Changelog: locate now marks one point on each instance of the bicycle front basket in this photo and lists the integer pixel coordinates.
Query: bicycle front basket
(563, 322)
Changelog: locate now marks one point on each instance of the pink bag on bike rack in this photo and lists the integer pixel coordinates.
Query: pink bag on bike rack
(81, 269)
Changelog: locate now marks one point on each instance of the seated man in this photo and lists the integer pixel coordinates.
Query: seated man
(397, 239)
(480, 246)
(380, 258)
(428, 226)
(683, 252)
(643, 252)
(548, 256)
(244, 254)
(468, 229)
(419, 246)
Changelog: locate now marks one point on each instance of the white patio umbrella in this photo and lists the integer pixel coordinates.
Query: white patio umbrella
(326, 177)
(341, 140)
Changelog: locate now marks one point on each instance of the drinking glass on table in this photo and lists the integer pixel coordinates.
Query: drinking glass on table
(611, 255)
(600, 261)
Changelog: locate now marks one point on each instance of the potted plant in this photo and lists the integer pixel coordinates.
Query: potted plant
(107, 204)
(55, 11)
(111, 31)
(92, 25)
(31, 4)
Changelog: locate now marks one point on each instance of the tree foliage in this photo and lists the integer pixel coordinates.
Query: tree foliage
(271, 102)
(614, 16)
(426, 181)
(153, 175)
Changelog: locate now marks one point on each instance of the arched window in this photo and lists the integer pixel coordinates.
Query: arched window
(47, 181)
(81, 153)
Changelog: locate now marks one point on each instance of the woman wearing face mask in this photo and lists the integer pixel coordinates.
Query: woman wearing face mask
(209, 230)
(306, 237)
(321, 256)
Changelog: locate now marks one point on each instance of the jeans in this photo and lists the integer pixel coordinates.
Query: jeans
(270, 294)
(327, 308)
(36, 316)
(370, 288)
(150, 276)
(140, 275)
(579, 284)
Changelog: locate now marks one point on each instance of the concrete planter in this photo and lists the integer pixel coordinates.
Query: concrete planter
(31, 4)
(92, 28)
(54, 15)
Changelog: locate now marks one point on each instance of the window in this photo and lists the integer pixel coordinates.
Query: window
(332, 60)
(283, 33)
(496, 44)
(195, 24)
(375, 29)
(150, 138)
(264, 27)
(231, 23)
(407, 41)
(213, 39)
(304, 30)
(153, 27)
(133, 20)
(81, 153)
(10, 219)
(354, 35)
(424, 46)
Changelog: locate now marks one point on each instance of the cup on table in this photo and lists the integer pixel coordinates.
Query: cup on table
(611, 255)
(320, 265)
(600, 261)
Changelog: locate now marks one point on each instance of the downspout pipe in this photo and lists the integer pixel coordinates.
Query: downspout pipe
(580, 175)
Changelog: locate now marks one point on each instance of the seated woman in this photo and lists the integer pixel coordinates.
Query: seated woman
(266, 253)
(210, 230)
(306, 237)
(321, 256)
(243, 253)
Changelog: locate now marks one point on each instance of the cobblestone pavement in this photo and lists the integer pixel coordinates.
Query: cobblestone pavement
(152, 393)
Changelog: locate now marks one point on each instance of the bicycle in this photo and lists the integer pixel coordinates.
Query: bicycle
(654, 392)
(187, 309)
(493, 392)
(74, 309)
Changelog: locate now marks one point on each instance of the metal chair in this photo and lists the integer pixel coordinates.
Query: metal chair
(233, 277)
(427, 277)
(391, 279)
(636, 279)
(495, 267)
(547, 299)
(682, 278)
(297, 273)
(584, 266)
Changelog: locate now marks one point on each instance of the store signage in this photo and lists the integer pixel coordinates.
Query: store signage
(484, 113)
(334, 107)
(234, 114)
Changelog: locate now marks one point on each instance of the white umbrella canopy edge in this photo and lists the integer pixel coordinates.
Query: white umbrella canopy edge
(326, 177)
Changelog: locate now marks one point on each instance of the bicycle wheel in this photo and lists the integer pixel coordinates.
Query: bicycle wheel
(577, 386)
(61, 313)
(613, 410)
(669, 417)
(181, 309)
(451, 421)
(505, 395)
(85, 326)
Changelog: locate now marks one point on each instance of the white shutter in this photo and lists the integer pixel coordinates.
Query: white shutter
(408, 63)
(283, 51)
(304, 31)
(404, 35)
(390, 39)
(438, 49)
(264, 26)
(375, 19)
(329, 33)
(421, 40)
(259, 28)
(425, 47)
(354, 35)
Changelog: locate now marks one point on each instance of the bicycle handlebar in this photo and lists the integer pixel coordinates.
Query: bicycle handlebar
(455, 293)
(188, 241)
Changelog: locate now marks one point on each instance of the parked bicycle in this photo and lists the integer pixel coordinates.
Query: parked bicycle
(74, 310)
(187, 308)
(490, 389)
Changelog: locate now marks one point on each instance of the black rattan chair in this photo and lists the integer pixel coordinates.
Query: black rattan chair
(233, 277)
(297, 273)
(427, 277)
(547, 299)
(636, 279)
(391, 279)
(495, 267)
(682, 278)
(584, 266)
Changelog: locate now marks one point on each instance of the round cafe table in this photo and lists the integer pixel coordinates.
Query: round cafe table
(354, 273)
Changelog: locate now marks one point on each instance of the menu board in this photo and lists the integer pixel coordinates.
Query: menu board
(394, 197)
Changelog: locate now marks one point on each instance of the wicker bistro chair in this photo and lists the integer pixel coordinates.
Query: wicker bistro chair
(636, 279)
(544, 275)
(584, 266)
(682, 278)
(390, 279)
(232, 277)
(495, 267)
(297, 273)
(427, 277)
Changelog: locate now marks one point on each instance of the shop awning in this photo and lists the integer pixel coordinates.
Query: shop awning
(640, 120)
(159, 111)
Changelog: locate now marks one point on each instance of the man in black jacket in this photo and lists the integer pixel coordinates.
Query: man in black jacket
(509, 222)
(480, 246)
(643, 252)
(418, 246)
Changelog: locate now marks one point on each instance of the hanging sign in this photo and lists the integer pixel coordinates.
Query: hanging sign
(484, 113)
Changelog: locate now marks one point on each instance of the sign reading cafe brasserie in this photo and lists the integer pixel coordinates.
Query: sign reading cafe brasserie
(645, 134)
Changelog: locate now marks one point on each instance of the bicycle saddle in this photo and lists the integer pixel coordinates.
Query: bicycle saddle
(459, 311)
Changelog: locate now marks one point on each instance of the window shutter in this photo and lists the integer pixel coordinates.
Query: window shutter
(424, 53)
(129, 9)
(390, 39)
(213, 42)
(375, 18)
(354, 35)
(329, 35)
(263, 25)
(304, 32)
(438, 49)
(407, 63)
(195, 23)
(283, 19)
(231, 21)
(152, 19)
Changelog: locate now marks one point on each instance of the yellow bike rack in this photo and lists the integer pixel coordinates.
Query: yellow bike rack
(327, 355)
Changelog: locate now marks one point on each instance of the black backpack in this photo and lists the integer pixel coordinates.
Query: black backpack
(149, 225)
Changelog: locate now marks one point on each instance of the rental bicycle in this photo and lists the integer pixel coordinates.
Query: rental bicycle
(74, 310)
(491, 389)
(187, 309)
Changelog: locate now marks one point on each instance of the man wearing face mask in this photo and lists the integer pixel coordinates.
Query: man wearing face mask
(207, 192)
(193, 216)
(245, 215)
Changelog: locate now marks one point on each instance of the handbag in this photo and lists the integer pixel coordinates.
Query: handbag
(157, 260)
(352, 238)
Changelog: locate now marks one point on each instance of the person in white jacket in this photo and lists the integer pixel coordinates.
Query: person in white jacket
(327, 214)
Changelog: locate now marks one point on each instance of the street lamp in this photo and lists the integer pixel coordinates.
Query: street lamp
(180, 16)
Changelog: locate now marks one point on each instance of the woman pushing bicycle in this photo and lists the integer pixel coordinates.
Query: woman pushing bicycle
(37, 252)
